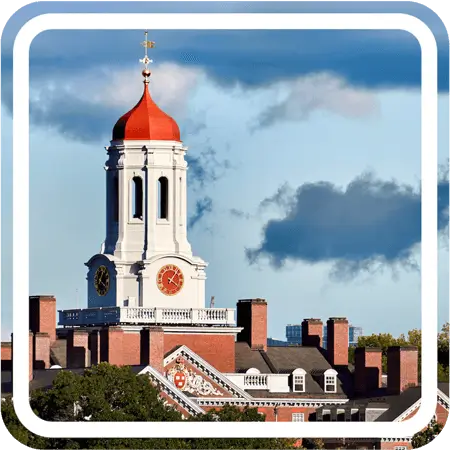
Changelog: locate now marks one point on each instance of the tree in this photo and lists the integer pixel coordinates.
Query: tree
(414, 338)
(427, 435)
(111, 393)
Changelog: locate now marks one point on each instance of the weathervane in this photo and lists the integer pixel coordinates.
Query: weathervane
(146, 60)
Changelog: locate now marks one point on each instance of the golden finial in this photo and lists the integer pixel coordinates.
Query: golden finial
(146, 60)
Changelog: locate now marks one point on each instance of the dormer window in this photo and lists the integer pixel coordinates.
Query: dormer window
(298, 380)
(330, 381)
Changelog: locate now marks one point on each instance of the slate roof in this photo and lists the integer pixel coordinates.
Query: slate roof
(285, 360)
(398, 404)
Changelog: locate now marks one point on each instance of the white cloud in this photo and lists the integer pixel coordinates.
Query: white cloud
(296, 99)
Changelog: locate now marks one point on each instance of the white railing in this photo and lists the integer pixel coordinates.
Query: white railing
(257, 381)
(141, 315)
(272, 382)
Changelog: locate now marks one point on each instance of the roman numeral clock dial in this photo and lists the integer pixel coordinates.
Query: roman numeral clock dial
(170, 279)
(101, 281)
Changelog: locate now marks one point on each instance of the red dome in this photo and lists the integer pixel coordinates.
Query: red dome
(146, 122)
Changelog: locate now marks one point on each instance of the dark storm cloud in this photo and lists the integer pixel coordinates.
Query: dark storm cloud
(368, 225)
(202, 207)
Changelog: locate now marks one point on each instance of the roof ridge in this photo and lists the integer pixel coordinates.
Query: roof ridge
(268, 361)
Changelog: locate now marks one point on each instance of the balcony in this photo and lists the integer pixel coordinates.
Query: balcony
(141, 316)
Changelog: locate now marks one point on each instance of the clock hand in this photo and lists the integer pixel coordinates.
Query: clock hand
(171, 281)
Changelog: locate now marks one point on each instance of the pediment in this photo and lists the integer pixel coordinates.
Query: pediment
(197, 378)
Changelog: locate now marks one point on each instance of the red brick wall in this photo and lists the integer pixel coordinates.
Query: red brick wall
(111, 345)
(337, 345)
(217, 349)
(43, 315)
(6, 351)
(392, 445)
(156, 348)
(402, 368)
(41, 351)
(30, 354)
(368, 369)
(312, 332)
(78, 355)
(252, 315)
(284, 414)
(131, 347)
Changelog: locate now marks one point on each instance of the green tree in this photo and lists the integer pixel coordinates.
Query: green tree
(427, 435)
(111, 393)
(414, 338)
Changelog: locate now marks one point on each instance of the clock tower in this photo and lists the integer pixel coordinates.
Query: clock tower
(146, 259)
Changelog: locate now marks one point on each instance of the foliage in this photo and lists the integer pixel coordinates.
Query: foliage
(111, 393)
(427, 435)
(414, 338)
(313, 443)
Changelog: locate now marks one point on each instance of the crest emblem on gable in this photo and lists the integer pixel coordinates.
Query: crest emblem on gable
(189, 381)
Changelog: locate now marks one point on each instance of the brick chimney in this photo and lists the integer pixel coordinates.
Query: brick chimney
(337, 341)
(252, 316)
(41, 350)
(312, 333)
(43, 315)
(403, 368)
(368, 369)
(111, 345)
(30, 354)
(78, 353)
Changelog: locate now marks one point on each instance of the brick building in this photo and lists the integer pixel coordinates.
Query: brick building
(146, 309)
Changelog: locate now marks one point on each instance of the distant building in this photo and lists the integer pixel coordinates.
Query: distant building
(276, 343)
(294, 335)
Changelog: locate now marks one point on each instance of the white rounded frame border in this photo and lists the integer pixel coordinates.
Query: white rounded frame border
(228, 21)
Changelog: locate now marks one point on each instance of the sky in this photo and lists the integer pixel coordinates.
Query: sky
(304, 156)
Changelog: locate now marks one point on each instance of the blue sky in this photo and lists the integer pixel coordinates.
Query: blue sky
(304, 148)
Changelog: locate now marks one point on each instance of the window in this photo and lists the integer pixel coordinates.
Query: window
(298, 380)
(401, 447)
(137, 197)
(163, 198)
(298, 417)
(330, 381)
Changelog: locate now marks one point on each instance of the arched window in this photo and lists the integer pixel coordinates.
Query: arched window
(330, 380)
(298, 380)
(115, 199)
(137, 197)
(163, 197)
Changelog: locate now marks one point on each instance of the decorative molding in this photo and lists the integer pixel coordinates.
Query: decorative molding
(173, 392)
(189, 381)
(305, 403)
(207, 369)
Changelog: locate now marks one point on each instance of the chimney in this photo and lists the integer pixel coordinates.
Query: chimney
(252, 316)
(312, 333)
(78, 353)
(156, 348)
(41, 351)
(403, 365)
(111, 345)
(43, 315)
(30, 354)
(368, 369)
(337, 341)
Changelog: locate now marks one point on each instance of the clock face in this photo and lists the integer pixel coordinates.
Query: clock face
(170, 279)
(101, 281)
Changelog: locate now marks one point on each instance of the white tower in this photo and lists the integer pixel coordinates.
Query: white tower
(146, 259)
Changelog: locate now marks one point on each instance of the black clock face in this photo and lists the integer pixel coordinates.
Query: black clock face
(101, 280)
